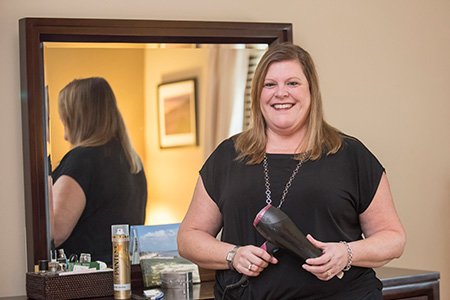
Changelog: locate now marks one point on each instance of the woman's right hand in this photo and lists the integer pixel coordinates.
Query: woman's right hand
(251, 260)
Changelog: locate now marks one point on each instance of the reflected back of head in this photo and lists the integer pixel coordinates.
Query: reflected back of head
(89, 112)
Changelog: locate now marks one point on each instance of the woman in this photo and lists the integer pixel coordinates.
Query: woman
(328, 183)
(100, 181)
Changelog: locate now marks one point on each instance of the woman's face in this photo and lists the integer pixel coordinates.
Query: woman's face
(285, 98)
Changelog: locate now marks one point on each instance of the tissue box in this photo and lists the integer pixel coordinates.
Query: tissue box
(51, 286)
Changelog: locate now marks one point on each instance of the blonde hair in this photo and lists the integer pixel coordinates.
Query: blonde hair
(90, 115)
(320, 138)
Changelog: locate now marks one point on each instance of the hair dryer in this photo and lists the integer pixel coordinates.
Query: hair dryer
(277, 228)
(280, 232)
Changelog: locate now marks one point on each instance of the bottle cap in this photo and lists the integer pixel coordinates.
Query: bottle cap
(121, 229)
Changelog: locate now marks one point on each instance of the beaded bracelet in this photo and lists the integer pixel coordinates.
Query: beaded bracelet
(350, 256)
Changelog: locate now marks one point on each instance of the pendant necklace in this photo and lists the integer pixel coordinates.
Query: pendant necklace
(288, 184)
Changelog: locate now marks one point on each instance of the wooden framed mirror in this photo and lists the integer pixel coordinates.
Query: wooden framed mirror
(36, 31)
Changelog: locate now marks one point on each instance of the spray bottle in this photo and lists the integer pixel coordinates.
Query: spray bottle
(121, 261)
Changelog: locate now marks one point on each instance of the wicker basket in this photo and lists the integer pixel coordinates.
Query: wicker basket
(51, 286)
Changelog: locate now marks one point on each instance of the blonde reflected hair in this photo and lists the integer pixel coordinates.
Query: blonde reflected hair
(321, 138)
(90, 115)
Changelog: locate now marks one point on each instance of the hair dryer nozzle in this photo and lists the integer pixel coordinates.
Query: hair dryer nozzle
(261, 213)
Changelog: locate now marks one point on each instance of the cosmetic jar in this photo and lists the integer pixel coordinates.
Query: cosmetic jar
(43, 265)
(85, 257)
(177, 284)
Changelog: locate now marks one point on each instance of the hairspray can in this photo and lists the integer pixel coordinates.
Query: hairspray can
(121, 261)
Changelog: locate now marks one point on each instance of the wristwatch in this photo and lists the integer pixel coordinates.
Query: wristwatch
(230, 257)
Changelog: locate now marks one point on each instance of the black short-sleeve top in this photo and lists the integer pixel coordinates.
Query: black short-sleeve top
(325, 200)
(113, 196)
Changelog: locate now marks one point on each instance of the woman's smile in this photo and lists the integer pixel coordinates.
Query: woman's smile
(283, 106)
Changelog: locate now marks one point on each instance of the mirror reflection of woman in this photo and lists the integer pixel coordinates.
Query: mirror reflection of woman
(101, 180)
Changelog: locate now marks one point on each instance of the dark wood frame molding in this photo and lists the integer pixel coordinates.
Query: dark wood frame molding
(34, 31)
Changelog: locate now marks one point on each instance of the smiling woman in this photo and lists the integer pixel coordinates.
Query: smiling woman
(34, 32)
(328, 183)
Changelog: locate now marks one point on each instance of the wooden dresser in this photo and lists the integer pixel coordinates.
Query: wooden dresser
(408, 284)
(398, 283)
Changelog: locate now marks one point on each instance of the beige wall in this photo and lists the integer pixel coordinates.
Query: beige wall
(384, 68)
(172, 172)
(62, 65)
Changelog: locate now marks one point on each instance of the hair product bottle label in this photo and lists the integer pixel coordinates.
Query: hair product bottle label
(121, 261)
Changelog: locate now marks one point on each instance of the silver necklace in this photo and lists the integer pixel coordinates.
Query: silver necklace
(288, 184)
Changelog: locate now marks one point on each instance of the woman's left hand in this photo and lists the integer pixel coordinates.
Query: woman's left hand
(333, 260)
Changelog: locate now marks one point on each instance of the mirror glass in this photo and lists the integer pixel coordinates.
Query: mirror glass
(45, 68)
(138, 73)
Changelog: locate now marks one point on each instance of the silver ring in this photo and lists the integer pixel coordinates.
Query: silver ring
(250, 267)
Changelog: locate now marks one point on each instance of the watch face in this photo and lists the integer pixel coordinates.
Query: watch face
(230, 255)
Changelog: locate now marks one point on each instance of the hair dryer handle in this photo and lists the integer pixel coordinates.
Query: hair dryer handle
(269, 248)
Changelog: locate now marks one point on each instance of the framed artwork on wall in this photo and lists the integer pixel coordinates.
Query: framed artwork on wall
(177, 112)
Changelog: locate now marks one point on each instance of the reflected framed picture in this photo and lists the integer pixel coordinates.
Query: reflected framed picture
(155, 248)
(177, 105)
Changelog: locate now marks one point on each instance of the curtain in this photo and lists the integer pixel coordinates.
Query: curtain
(227, 76)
